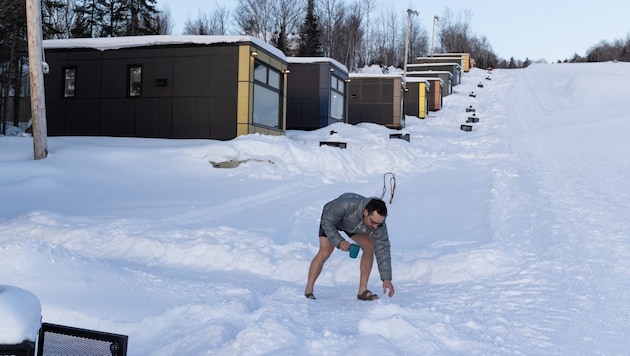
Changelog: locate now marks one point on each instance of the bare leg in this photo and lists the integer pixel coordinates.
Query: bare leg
(367, 260)
(325, 250)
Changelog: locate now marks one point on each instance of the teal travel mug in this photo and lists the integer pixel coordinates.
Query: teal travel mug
(354, 250)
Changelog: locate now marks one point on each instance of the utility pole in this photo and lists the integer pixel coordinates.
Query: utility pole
(409, 13)
(435, 19)
(36, 70)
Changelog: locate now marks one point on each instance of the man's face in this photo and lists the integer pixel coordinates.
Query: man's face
(373, 220)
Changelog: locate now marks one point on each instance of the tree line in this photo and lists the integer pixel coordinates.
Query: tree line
(604, 51)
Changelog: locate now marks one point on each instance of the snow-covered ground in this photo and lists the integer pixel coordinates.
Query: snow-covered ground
(510, 239)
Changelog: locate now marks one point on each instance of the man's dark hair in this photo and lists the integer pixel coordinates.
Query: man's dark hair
(377, 205)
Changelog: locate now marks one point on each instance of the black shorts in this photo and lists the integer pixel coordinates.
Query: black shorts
(322, 233)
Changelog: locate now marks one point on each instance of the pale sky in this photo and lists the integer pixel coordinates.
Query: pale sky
(534, 29)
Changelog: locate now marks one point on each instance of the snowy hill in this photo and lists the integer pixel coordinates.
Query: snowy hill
(509, 239)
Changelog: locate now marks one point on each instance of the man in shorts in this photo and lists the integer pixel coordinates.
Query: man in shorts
(362, 220)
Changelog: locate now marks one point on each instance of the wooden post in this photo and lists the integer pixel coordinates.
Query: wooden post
(36, 69)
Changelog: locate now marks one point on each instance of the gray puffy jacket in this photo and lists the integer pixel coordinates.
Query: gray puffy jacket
(346, 214)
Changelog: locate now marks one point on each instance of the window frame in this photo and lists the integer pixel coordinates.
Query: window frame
(335, 84)
(66, 92)
(134, 92)
(269, 82)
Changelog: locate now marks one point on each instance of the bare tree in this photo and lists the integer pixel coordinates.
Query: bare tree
(58, 17)
(418, 40)
(481, 52)
(255, 18)
(212, 23)
(198, 26)
(389, 40)
(455, 31)
(617, 50)
(286, 24)
(368, 44)
(163, 21)
(351, 50)
(331, 14)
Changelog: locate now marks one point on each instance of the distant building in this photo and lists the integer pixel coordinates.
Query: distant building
(214, 87)
(316, 92)
(417, 97)
(463, 59)
(376, 98)
(444, 75)
(454, 68)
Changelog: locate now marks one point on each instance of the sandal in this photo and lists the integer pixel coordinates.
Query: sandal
(367, 295)
(309, 296)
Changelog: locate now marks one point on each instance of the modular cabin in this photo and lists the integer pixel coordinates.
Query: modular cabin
(376, 98)
(438, 59)
(435, 98)
(446, 76)
(210, 87)
(454, 68)
(316, 92)
(462, 58)
(417, 97)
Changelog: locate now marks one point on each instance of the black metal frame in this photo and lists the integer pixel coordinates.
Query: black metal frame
(118, 342)
(405, 137)
(333, 144)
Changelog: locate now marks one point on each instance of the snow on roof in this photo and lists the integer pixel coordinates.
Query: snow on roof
(307, 60)
(419, 79)
(109, 43)
(437, 56)
(376, 75)
(424, 72)
(21, 315)
(425, 78)
(433, 64)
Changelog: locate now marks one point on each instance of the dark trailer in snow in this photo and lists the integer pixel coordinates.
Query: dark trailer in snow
(446, 76)
(376, 98)
(211, 87)
(454, 68)
(435, 98)
(417, 97)
(462, 58)
(316, 88)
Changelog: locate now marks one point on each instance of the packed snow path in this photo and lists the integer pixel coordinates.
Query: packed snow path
(509, 239)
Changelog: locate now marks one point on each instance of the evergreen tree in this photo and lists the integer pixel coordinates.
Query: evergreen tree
(310, 44)
(141, 17)
(52, 27)
(280, 40)
(162, 23)
(115, 17)
(87, 19)
(13, 51)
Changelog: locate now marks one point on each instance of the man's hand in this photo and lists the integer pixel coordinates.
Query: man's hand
(344, 245)
(387, 284)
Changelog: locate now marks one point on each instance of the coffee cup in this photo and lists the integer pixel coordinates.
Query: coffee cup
(354, 250)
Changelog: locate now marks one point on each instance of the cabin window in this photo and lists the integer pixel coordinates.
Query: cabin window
(267, 95)
(135, 80)
(274, 79)
(337, 98)
(69, 82)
